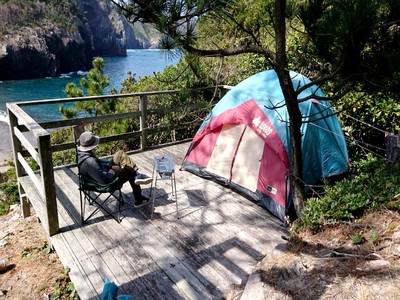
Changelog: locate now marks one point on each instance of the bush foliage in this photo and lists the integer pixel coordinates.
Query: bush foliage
(372, 184)
(8, 191)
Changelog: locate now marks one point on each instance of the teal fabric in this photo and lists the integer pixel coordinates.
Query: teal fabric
(323, 143)
(91, 185)
(125, 297)
(324, 148)
(109, 290)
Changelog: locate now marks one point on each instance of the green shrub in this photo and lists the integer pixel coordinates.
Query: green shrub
(372, 184)
(64, 288)
(366, 120)
(9, 191)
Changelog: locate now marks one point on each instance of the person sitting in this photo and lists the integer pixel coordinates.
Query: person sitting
(121, 166)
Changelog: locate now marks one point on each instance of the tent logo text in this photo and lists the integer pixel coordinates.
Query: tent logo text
(263, 128)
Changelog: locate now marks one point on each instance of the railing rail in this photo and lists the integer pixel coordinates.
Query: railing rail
(31, 138)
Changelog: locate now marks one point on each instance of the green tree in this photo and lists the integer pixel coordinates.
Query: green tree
(359, 39)
(95, 83)
(328, 39)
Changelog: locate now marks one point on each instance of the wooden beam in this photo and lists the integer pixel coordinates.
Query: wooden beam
(30, 172)
(27, 144)
(49, 190)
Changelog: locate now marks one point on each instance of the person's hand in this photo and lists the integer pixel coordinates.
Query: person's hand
(115, 168)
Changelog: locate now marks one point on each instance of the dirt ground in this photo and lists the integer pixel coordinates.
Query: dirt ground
(348, 260)
(326, 265)
(30, 273)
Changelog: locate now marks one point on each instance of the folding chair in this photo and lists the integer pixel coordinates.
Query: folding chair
(163, 169)
(94, 193)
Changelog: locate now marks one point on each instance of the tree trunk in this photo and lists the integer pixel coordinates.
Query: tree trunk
(292, 106)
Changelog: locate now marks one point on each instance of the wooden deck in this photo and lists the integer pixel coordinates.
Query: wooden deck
(214, 244)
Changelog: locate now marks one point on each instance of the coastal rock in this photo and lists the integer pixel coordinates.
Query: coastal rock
(111, 33)
(44, 52)
(132, 42)
(35, 44)
(44, 40)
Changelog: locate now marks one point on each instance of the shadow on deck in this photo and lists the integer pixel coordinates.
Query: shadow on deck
(217, 239)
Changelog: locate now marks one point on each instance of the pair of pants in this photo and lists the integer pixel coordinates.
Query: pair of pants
(129, 174)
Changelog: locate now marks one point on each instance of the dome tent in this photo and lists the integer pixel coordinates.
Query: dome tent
(244, 143)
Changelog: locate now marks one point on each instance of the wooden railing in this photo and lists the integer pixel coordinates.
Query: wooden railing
(31, 141)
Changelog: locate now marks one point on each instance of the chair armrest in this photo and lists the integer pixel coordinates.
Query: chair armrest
(92, 185)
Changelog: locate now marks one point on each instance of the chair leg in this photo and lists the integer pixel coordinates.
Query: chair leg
(153, 196)
(176, 194)
(100, 204)
(120, 200)
(83, 202)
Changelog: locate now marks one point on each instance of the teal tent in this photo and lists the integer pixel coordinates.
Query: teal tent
(244, 143)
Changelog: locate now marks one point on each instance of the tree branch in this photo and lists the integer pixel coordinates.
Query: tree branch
(245, 49)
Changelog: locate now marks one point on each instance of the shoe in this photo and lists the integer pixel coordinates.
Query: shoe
(145, 201)
(142, 179)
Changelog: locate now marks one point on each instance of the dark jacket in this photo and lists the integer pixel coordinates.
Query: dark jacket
(93, 168)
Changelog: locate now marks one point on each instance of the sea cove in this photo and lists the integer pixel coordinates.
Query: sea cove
(139, 62)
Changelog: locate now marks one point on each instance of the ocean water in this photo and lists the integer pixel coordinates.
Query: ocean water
(139, 62)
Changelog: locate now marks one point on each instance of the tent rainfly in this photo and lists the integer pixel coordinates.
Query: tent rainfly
(244, 143)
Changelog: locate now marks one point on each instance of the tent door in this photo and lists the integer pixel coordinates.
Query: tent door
(220, 162)
(237, 156)
(246, 166)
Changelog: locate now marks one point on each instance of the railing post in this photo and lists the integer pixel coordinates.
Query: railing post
(143, 117)
(19, 170)
(49, 190)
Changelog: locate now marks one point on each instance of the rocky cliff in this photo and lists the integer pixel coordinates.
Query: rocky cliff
(39, 39)
(111, 32)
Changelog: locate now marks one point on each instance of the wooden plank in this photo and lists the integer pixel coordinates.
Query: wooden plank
(31, 174)
(149, 281)
(26, 120)
(68, 194)
(266, 225)
(106, 247)
(238, 243)
(233, 220)
(35, 199)
(220, 242)
(87, 280)
(49, 192)
(102, 236)
(196, 250)
(88, 262)
(27, 144)
(67, 254)
(215, 243)
(186, 279)
(213, 249)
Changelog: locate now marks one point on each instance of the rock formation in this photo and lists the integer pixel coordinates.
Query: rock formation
(44, 52)
(43, 40)
(110, 30)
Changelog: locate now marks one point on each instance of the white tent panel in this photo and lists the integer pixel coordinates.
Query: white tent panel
(220, 162)
(246, 167)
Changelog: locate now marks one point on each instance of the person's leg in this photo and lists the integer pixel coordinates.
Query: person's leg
(129, 174)
(142, 179)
